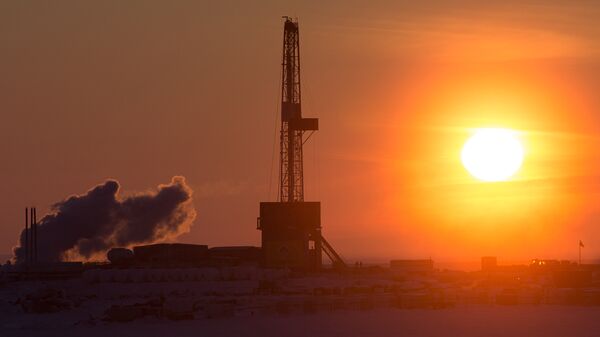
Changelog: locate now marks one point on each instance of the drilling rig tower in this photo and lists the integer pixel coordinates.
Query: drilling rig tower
(291, 227)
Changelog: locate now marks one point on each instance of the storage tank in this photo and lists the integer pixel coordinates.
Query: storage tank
(120, 256)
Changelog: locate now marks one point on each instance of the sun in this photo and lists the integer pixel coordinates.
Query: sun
(493, 154)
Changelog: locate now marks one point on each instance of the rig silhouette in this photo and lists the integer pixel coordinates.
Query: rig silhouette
(291, 227)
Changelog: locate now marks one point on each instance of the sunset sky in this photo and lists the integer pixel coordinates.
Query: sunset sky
(141, 91)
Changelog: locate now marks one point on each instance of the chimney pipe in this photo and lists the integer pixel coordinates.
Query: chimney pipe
(31, 236)
(26, 235)
(35, 231)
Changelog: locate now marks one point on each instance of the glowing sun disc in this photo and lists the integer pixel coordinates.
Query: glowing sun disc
(492, 154)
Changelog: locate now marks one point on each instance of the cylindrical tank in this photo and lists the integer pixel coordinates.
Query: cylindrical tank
(120, 256)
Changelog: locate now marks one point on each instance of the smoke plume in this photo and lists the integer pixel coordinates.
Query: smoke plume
(86, 225)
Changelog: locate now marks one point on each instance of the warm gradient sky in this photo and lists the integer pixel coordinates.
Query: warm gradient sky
(140, 91)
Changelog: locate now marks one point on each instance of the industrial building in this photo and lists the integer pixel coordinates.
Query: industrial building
(170, 254)
(181, 255)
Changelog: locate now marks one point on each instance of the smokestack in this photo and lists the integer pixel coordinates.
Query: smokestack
(31, 235)
(26, 234)
(35, 234)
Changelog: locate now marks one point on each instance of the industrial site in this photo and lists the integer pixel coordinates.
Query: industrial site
(107, 262)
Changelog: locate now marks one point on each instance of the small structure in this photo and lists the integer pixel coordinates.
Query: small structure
(566, 274)
(489, 264)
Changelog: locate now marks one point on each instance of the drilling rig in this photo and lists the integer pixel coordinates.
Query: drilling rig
(291, 227)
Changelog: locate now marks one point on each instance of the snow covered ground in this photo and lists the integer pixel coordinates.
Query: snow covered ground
(464, 321)
(327, 305)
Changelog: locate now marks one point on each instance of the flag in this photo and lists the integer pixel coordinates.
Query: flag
(581, 244)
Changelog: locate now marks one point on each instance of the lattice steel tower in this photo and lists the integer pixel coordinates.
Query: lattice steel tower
(293, 126)
(291, 227)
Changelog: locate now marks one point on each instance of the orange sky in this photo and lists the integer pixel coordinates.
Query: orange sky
(140, 91)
